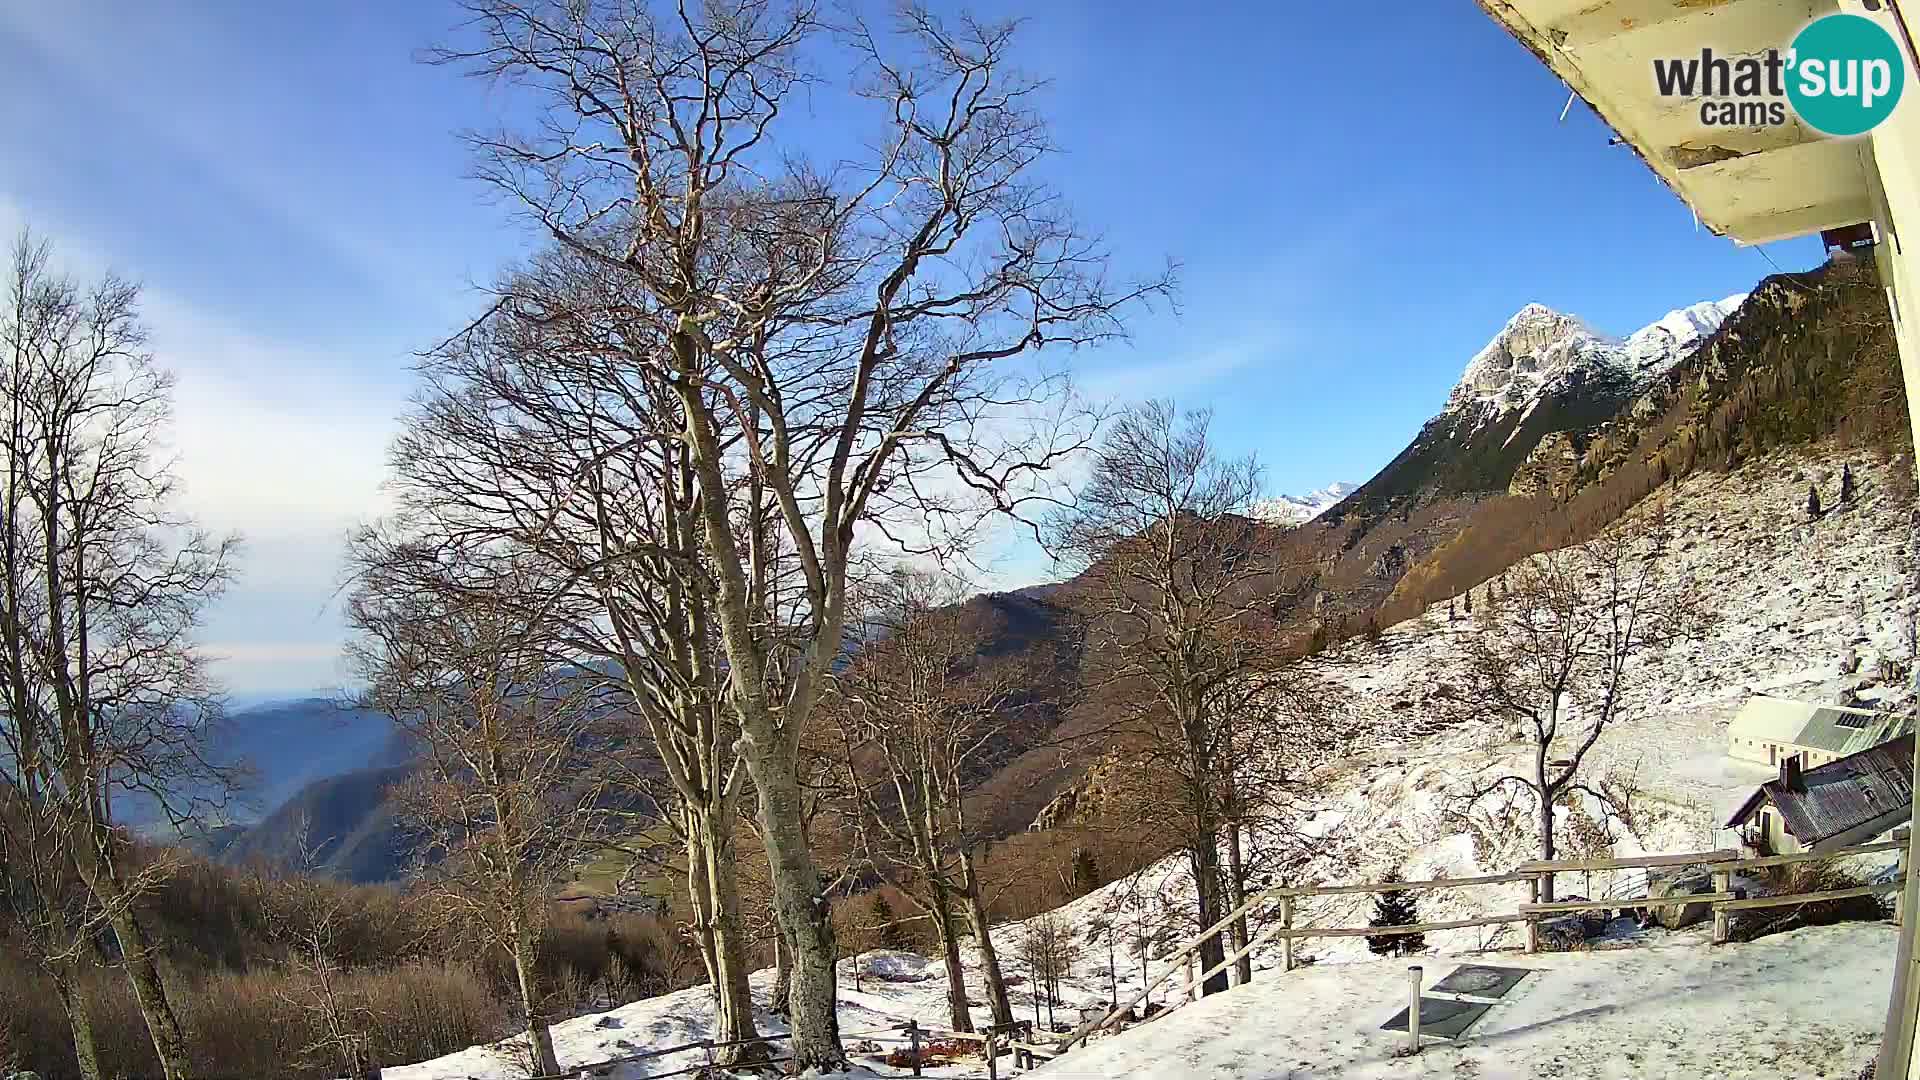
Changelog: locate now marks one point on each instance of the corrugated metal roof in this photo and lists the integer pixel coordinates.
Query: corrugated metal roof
(1882, 728)
(1827, 730)
(1841, 795)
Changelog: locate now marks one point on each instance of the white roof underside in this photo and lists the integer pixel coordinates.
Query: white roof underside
(1752, 184)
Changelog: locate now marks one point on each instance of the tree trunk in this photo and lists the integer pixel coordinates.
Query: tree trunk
(801, 912)
(769, 752)
(1203, 842)
(1204, 858)
(959, 1015)
(1546, 821)
(66, 984)
(136, 955)
(1113, 972)
(976, 909)
(1237, 897)
(940, 907)
(725, 937)
(1546, 849)
(150, 992)
(539, 1036)
(700, 897)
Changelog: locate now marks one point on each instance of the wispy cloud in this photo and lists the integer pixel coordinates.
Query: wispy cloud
(269, 444)
(140, 63)
(1188, 371)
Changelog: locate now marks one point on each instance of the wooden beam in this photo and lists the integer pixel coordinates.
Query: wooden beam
(1813, 897)
(1390, 931)
(1636, 902)
(1397, 886)
(1697, 858)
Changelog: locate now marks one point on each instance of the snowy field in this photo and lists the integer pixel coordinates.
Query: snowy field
(1793, 598)
(1804, 1004)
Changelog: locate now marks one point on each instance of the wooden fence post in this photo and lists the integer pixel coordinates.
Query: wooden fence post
(1286, 941)
(1722, 883)
(1533, 921)
(1413, 1009)
(913, 1043)
(993, 1057)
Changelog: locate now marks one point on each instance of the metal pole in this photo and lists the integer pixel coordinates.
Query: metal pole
(1413, 1009)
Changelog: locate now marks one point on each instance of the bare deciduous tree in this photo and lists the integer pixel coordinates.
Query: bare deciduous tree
(1049, 949)
(848, 323)
(1184, 595)
(538, 431)
(505, 794)
(1559, 648)
(43, 906)
(106, 700)
(928, 712)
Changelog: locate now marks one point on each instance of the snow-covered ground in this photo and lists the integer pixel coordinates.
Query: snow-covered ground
(686, 1016)
(1809, 1003)
(1794, 597)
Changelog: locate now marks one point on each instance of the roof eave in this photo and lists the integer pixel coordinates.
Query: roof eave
(1754, 185)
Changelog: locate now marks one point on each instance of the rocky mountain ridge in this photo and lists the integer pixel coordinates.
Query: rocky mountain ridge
(1541, 351)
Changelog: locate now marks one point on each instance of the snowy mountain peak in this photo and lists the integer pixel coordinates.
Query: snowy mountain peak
(1299, 509)
(1541, 350)
(1654, 348)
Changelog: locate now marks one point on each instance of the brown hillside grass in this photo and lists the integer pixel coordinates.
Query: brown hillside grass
(422, 981)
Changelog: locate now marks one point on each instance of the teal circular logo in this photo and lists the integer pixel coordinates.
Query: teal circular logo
(1844, 74)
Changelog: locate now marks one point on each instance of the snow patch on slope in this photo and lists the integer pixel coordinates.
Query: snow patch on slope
(1300, 509)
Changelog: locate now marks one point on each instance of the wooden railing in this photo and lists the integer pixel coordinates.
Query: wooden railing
(1722, 900)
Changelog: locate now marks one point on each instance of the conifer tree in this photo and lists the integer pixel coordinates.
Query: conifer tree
(889, 933)
(1395, 907)
(1086, 871)
(1846, 485)
(1469, 599)
(1813, 502)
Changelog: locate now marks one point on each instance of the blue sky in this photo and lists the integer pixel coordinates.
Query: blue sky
(1359, 200)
